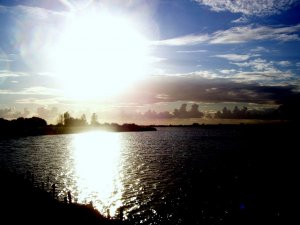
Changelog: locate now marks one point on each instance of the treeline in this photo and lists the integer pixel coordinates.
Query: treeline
(66, 125)
(67, 120)
(23, 126)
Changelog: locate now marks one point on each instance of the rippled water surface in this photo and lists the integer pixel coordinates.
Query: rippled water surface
(157, 177)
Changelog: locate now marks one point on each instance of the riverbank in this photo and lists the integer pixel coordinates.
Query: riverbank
(24, 203)
(36, 126)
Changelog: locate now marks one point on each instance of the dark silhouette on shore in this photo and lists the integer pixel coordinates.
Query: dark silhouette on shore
(24, 203)
(66, 125)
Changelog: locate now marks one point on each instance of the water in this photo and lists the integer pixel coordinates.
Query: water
(172, 176)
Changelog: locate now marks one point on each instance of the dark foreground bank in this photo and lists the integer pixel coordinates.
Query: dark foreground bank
(22, 203)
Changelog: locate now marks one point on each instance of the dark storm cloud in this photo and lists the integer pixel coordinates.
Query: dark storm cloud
(210, 90)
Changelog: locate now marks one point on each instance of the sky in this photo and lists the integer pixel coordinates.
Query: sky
(158, 61)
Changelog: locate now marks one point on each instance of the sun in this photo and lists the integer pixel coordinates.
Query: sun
(98, 55)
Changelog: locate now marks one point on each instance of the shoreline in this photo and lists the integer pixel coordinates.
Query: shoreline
(24, 203)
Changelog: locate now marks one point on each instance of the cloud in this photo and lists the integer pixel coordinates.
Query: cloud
(266, 77)
(6, 73)
(239, 34)
(38, 101)
(11, 113)
(228, 71)
(263, 71)
(191, 39)
(38, 90)
(256, 64)
(259, 49)
(49, 114)
(259, 65)
(242, 19)
(284, 63)
(234, 57)
(193, 51)
(255, 33)
(194, 88)
(250, 7)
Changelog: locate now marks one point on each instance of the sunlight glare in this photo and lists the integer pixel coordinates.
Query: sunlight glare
(98, 55)
(96, 160)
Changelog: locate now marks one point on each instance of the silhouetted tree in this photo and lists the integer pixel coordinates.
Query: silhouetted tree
(83, 119)
(94, 120)
(60, 120)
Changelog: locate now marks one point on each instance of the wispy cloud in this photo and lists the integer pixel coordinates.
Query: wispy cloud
(268, 78)
(257, 65)
(6, 73)
(193, 51)
(263, 72)
(228, 71)
(239, 34)
(284, 63)
(255, 33)
(38, 90)
(191, 39)
(259, 49)
(250, 7)
(4, 59)
(234, 57)
(242, 19)
(38, 101)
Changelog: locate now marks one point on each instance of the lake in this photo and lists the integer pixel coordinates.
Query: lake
(175, 175)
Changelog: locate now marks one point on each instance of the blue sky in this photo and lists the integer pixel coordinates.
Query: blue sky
(209, 53)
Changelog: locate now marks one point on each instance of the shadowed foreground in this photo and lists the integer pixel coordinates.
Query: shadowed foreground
(21, 203)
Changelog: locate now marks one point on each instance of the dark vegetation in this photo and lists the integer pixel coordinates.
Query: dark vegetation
(66, 124)
(22, 202)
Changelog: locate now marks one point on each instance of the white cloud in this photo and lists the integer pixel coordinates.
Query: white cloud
(33, 91)
(239, 34)
(38, 101)
(257, 65)
(2, 59)
(262, 71)
(259, 49)
(6, 73)
(255, 33)
(284, 63)
(193, 51)
(234, 57)
(191, 39)
(263, 77)
(250, 7)
(242, 19)
(228, 71)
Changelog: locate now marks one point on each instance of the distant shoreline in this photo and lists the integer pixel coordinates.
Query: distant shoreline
(56, 129)
(36, 126)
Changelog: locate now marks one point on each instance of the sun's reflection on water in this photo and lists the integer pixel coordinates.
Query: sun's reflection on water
(97, 170)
